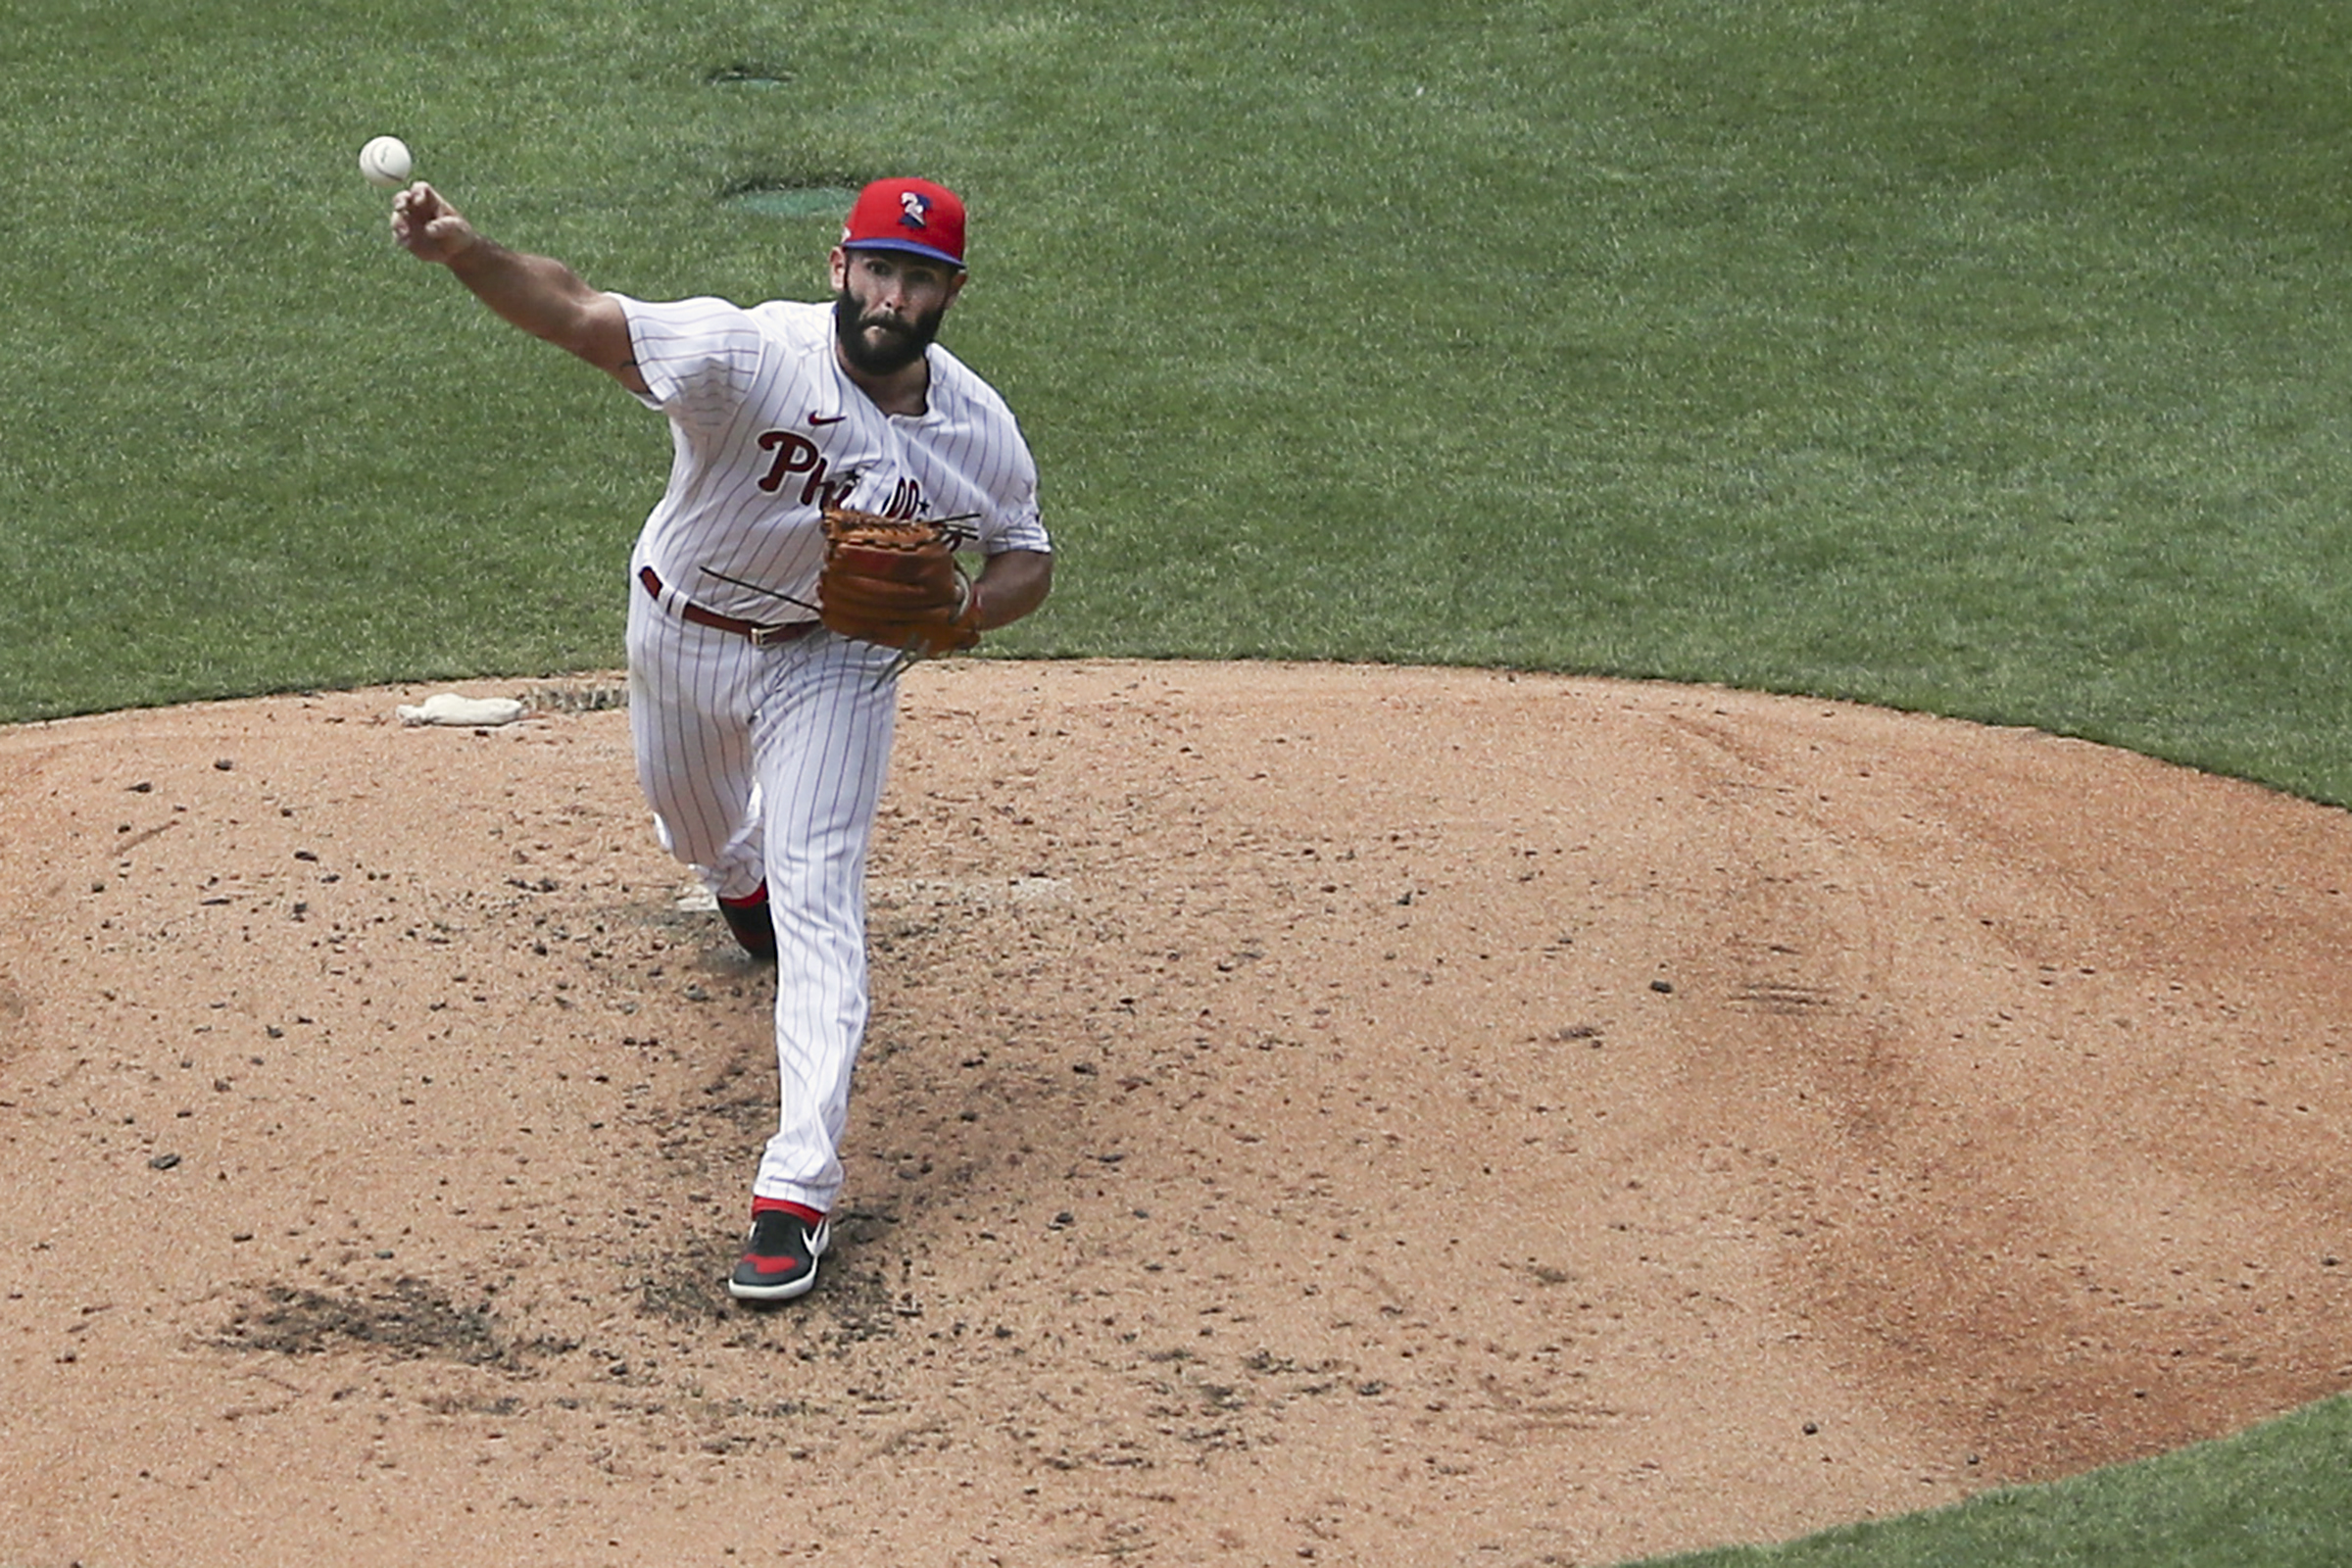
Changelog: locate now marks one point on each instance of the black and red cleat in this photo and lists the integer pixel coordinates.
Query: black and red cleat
(753, 926)
(779, 1258)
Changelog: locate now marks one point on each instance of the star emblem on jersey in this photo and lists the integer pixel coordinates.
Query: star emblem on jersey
(915, 209)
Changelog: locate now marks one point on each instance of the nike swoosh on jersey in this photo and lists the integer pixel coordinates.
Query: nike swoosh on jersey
(826, 418)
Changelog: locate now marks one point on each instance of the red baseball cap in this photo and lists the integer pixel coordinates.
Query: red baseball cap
(908, 215)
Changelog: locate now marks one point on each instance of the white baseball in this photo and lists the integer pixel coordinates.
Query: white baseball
(385, 162)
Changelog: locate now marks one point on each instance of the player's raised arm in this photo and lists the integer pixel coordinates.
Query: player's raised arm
(536, 293)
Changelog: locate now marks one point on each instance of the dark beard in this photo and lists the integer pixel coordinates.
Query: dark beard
(901, 345)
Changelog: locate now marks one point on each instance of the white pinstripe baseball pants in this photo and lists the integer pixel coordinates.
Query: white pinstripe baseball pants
(768, 764)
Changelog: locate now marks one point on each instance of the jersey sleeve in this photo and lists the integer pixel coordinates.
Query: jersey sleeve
(698, 356)
(1015, 521)
(983, 441)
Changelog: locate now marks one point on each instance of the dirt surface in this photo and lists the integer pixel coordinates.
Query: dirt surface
(1311, 1114)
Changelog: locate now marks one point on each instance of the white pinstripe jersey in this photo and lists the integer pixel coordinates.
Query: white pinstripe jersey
(765, 428)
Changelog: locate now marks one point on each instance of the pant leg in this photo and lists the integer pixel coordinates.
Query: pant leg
(821, 744)
(692, 695)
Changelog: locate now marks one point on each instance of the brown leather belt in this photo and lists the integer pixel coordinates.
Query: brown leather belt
(758, 635)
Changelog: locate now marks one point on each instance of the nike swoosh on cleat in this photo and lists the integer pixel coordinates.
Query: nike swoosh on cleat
(814, 1240)
(781, 1278)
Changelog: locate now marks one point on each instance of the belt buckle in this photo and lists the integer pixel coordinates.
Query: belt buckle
(770, 636)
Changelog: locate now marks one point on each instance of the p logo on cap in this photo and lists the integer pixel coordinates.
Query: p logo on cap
(908, 215)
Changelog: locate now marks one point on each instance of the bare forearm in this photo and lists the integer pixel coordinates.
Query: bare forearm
(1011, 584)
(536, 293)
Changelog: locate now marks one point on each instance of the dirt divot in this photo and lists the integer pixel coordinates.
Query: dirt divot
(407, 1318)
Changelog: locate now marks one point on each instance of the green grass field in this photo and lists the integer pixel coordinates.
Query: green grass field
(1983, 357)
(2271, 1497)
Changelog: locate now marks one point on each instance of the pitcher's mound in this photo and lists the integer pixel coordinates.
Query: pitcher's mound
(1346, 1114)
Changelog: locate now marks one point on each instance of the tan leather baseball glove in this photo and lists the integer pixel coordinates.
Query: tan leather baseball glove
(896, 581)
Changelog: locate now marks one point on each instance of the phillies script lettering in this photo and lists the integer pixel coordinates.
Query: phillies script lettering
(797, 456)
